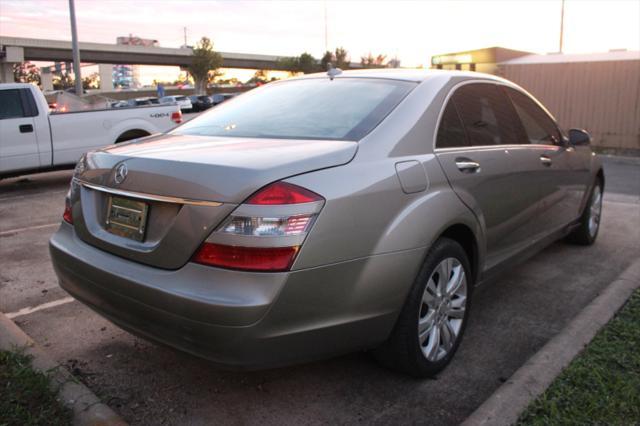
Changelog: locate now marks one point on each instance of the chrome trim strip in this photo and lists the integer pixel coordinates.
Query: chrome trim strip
(149, 197)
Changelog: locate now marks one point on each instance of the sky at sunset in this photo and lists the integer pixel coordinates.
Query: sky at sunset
(413, 31)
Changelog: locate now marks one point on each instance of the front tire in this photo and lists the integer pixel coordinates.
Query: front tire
(431, 324)
(587, 231)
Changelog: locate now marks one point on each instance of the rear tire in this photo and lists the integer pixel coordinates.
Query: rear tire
(587, 231)
(432, 322)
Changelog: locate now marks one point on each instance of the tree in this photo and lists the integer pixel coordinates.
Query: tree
(370, 61)
(62, 81)
(259, 78)
(342, 58)
(327, 59)
(204, 65)
(92, 81)
(291, 64)
(305, 63)
(26, 72)
(395, 63)
(339, 59)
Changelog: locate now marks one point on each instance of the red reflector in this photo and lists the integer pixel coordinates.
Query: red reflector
(271, 259)
(67, 215)
(283, 193)
(176, 117)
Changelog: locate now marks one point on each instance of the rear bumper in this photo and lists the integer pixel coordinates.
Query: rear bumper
(240, 319)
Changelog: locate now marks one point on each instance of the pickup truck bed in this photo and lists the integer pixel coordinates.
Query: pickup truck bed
(33, 139)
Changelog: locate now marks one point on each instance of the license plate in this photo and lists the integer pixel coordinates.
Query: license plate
(127, 218)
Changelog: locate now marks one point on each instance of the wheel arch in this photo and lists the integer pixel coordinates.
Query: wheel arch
(131, 134)
(465, 236)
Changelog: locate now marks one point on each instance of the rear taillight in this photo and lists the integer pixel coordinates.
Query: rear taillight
(283, 193)
(176, 117)
(265, 233)
(67, 215)
(247, 258)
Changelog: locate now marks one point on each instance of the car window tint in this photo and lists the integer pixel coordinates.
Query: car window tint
(10, 104)
(487, 115)
(451, 133)
(316, 108)
(539, 127)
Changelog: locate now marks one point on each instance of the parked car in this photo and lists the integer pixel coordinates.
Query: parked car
(201, 102)
(325, 214)
(183, 102)
(33, 138)
(119, 104)
(219, 98)
(142, 101)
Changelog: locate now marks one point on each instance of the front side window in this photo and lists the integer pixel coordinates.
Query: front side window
(538, 126)
(11, 104)
(339, 109)
(487, 115)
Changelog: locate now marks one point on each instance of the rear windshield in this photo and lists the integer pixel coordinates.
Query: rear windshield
(342, 109)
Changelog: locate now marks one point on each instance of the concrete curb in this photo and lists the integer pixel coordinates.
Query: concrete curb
(534, 377)
(87, 408)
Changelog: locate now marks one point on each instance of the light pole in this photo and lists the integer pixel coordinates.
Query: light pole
(561, 27)
(76, 49)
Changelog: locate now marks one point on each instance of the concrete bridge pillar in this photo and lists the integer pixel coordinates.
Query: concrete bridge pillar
(6, 72)
(13, 55)
(106, 77)
(46, 78)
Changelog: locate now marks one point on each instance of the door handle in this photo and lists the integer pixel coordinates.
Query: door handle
(25, 128)
(466, 165)
(545, 160)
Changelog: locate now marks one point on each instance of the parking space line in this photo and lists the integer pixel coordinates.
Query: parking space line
(28, 228)
(31, 309)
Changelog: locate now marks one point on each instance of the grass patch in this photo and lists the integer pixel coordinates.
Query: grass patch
(25, 394)
(600, 386)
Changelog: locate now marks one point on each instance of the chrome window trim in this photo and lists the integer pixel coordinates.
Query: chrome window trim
(497, 83)
(497, 147)
(148, 197)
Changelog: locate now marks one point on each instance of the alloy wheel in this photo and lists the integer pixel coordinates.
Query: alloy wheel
(442, 311)
(595, 211)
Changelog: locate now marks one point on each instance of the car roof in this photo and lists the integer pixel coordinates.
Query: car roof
(406, 74)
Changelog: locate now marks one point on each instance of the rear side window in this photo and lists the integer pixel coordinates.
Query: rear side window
(11, 104)
(451, 133)
(487, 115)
(538, 126)
(315, 108)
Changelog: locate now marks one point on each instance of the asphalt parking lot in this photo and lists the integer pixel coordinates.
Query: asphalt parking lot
(147, 384)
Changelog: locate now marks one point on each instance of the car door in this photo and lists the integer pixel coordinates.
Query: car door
(18, 140)
(558, 170)
(476, 133)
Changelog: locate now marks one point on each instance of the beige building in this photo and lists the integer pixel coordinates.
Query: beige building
(598, 92)
(480, 60)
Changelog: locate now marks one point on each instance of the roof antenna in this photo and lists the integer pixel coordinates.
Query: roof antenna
(332, 72)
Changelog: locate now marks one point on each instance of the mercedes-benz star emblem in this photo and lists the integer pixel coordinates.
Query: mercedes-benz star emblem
(121, 173)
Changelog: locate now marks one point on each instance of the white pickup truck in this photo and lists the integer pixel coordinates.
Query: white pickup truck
(33, 139)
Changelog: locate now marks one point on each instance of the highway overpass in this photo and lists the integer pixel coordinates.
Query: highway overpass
(17, 49)
(101, 53)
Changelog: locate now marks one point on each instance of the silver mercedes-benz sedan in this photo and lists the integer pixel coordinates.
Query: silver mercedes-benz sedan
(326, 214)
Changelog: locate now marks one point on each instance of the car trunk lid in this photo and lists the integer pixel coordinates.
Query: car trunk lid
(188, 185)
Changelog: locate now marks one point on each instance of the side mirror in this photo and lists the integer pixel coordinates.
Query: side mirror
(578, 137)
